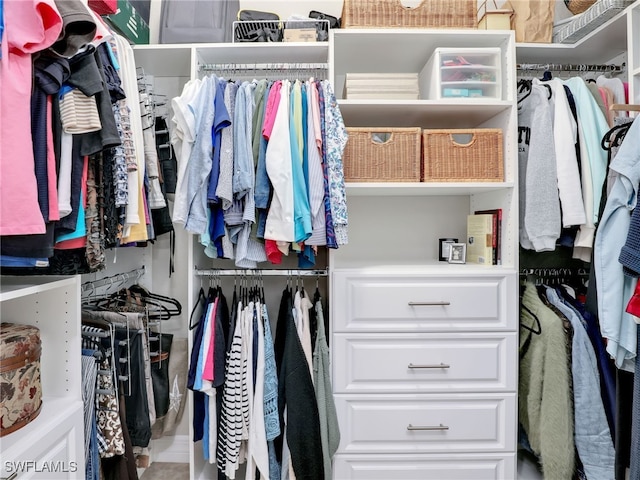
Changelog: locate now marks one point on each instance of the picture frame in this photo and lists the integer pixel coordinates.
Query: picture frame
(457, 253)
(444, 245)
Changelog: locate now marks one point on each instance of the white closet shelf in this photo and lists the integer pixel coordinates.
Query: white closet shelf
(359, 45)
(20, 286)
(424, 113)
(599, 46)
(283, 52)
(424, 188)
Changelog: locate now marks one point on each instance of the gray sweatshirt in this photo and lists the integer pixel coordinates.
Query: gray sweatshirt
(540, 220)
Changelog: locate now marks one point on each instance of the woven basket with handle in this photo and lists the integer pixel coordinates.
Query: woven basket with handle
(393, 14)
(396, 158)
(578, 6)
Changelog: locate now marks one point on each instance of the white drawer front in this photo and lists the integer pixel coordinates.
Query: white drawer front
(406, 363)
(402, 303)
(415, 467)
(426, 423)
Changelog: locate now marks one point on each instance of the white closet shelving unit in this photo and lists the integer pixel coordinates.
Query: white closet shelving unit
(55, 438)
(604, 44)
(424, 353)
(380, 258)
(172, 66)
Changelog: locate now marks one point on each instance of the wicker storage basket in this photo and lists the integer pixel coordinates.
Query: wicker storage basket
(395, 160)
(446, 158)
(393, 14)
(578, 6)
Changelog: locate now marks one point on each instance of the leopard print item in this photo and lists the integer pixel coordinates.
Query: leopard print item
(107, 415)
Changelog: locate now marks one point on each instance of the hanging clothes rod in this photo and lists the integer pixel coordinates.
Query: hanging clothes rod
(238, 67)
(577, 67)
(108, 281)
(554, 272)
(266, 69)
(264, 273)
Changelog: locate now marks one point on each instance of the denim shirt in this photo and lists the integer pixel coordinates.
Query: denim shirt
(201, 158)
(263, 185)
(614, 289)
(592, 434)
(243, 172)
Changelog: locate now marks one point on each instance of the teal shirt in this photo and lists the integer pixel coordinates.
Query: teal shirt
(301, 207)
(593, 127)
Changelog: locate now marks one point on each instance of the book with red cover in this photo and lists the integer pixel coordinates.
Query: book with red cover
(497, 232)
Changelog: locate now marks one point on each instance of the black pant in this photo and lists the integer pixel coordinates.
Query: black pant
(136, 403)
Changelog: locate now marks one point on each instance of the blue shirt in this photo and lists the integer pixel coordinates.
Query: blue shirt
(605, 366)
(592, 435)
(614, 288)
(221, 120)
(301, 207)
(201, 157)
(262, 193)
(594, 126)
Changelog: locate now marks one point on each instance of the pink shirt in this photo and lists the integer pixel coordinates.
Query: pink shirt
(315, 108)
(207, 371)
(30, 26)
(271, 109)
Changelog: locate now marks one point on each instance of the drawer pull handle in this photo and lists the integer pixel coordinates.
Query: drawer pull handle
(441, 365)
(428, 304)
(427, 427)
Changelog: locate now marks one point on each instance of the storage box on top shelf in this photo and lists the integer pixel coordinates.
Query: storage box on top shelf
(396, 14)
(462, 73)
(494, 18)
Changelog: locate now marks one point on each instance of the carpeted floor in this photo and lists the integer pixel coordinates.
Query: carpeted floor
(166, 471)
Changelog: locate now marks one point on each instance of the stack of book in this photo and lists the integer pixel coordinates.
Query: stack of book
(382, 86)
(484, 229)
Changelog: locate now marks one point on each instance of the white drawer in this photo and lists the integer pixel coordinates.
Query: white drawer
(407, 363)
(420, 467)
(426, 423)
(364, 302)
